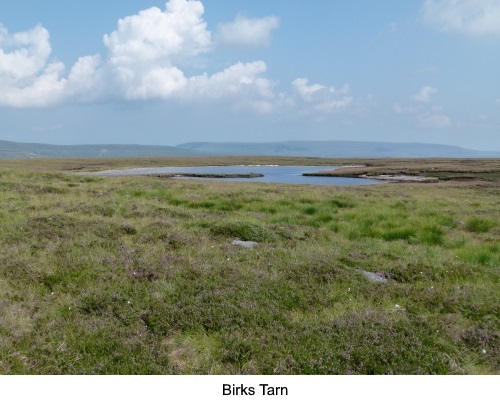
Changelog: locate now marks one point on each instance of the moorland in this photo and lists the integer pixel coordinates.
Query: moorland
(141, 275)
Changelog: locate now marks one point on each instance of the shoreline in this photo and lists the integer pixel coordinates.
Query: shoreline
(390, 178)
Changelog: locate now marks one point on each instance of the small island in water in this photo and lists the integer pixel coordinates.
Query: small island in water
(211, 175)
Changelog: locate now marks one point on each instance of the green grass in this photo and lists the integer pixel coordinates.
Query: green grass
(138, 275)
(475, 224)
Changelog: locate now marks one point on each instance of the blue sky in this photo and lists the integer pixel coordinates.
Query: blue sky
(152, 72)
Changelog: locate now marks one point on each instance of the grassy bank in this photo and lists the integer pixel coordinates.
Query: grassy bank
(439, 169)
(139, 275)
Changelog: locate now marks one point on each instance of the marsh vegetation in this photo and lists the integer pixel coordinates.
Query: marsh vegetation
(139, 275)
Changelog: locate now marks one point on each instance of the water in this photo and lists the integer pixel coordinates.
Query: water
(272, 174)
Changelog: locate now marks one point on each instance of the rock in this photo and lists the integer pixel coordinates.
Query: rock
(247, 244)
(375, 277)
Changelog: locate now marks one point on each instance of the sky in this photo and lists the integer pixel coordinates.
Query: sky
(166, 73)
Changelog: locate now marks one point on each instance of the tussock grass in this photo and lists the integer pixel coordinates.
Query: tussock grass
(138, 275)
(475, 224)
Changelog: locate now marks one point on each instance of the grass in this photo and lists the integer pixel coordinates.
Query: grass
(463, 170)
(138, 275)
(476, 224)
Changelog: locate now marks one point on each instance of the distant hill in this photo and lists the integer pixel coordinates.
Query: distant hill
(16, 150)
(324, 149)
(336, 149)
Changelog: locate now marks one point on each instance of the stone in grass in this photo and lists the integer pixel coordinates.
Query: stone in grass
(247, 244)
(375, 277)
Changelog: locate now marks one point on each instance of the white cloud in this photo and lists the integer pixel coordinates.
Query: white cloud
(46, 89)
(305, 91)
(247, 31)
(434, 121)
(157, 82)
(165, 37)
(331, 105)
(86, 77)
(321, 98)
(424, 94)
(27, 79)
(148, 56)
(399, 109)
(263, 107)
(28, 54)
(146, 50)
(240, 78)
(470, 17)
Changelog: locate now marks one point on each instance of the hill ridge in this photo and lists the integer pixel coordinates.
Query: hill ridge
(323, 149)
(337, 149)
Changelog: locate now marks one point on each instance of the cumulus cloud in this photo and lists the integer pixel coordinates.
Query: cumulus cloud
(320, 97)
(306, 91)
(434, 121)
(146, 57)
(28, 53)
(147, 49)
(240, 78)
(45, 89)
(247, 31)
(171, 36)
(470, 17)
(86, 78)
(25, 77)
(424, 94)
(28, 79)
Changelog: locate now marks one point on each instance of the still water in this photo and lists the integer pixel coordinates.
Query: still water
(272, 174)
